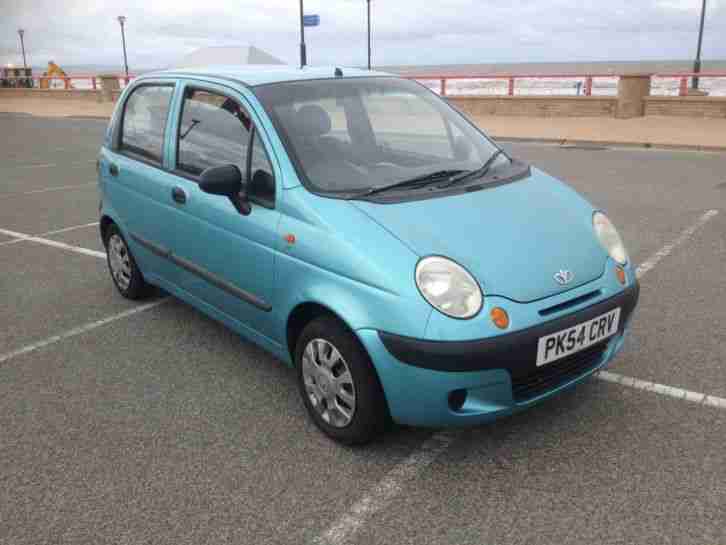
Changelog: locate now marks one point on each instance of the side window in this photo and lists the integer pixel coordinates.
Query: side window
(144, 121)
(214, 131)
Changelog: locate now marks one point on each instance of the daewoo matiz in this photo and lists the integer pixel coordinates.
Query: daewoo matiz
(367, 234)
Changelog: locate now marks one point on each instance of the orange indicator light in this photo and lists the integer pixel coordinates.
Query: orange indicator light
(620, 272)
(500, 317)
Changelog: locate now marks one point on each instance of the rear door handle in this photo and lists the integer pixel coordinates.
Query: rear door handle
(113, 169)
(179, 195)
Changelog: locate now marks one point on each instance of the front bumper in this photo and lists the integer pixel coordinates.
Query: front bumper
(498, 375)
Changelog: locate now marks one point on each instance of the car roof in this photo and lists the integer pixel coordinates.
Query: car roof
(262, 74)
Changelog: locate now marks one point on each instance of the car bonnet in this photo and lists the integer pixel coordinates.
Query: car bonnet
(513, 238)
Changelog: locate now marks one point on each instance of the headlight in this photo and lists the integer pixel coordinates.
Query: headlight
(448, 287)
(609, 237)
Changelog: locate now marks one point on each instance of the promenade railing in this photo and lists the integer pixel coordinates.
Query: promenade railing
(684, 79)
(602, 84)
(66, 82)
(560, 84)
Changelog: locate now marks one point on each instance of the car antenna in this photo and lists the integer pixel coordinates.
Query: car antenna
(338, 73)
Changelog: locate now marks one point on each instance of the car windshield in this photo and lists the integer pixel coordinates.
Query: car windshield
(347, 136)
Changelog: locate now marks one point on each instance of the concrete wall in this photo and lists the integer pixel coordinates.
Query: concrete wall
(691, 106)
(522, 105)
(536, 106)
(74, 94)
(632, 90)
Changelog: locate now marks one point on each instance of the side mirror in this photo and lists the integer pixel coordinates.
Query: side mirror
(226, 180)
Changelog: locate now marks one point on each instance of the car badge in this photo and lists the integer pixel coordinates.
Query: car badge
(563, 277)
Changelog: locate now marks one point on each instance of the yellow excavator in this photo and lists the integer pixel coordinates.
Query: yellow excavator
(54, 71)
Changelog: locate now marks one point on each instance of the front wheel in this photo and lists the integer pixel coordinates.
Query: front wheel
(338, 384)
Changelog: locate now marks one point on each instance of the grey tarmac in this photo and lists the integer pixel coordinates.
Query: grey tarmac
(165, 427)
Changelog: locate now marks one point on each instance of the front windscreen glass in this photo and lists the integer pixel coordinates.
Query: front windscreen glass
(350, 135)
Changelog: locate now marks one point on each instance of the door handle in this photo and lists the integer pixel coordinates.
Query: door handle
(113, 169)
(179, 195)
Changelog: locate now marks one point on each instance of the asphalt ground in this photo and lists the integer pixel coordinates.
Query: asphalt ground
(161, 426)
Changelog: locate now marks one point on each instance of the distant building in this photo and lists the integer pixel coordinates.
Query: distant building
(226, 55)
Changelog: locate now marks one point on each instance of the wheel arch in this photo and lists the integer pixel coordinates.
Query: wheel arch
(103, 225)
(300, 316)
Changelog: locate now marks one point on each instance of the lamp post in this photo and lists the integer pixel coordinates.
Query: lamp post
(697, 64)
(369, 33)
(121, 21)
(21, 33)
(303, 54)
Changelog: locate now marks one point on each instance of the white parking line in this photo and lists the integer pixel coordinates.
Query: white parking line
(78, 330)
(653, 260)
(64, 230)
(51, 165)
(384, 492)
(46, 190)
(41, 165)
(53, 243)
(670, 391)
(388, 488)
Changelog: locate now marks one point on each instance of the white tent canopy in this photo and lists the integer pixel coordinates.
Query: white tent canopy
(226, 55)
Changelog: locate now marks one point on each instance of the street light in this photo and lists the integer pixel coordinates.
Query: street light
(697, 64)
(369, 33)
(121, 21)
(21, 33)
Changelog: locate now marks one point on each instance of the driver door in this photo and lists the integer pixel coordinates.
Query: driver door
(225, 259)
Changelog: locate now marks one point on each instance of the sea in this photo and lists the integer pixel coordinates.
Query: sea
(480, 82)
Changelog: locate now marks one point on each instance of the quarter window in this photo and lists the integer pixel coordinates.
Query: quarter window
(261, 187)
(214, 131)
(144, 121)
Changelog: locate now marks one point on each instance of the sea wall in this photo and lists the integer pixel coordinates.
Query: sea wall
(487, 105)
(536, 106)
(690, 106)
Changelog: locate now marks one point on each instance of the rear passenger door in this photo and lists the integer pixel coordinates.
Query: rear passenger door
(136, 184)
(225, 258)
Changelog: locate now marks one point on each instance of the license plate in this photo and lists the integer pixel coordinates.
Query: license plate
(568, 341)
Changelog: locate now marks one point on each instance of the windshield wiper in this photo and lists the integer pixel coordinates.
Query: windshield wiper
(418, 181)
(478, 173)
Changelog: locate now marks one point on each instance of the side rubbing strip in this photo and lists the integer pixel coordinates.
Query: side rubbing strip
(213, 279)
(222, 284)
(152, 247)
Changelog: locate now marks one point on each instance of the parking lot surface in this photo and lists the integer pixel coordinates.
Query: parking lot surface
(148, 422)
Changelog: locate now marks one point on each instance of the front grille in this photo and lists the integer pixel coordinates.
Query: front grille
(571, 303)
(556, 373)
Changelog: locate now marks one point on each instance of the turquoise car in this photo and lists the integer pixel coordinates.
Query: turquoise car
(367, 234)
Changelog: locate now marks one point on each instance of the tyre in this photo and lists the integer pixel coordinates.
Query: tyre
(338, 383)
(125, 273)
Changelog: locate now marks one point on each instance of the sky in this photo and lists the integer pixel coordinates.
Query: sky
(159, 32)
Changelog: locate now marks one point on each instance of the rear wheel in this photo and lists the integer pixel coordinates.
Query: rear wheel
(125, 273)
(338, 384)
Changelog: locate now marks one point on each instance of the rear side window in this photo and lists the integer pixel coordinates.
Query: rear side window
(144, 121)
(214, 131)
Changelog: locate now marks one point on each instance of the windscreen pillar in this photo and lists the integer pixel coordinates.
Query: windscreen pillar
(109, 87)
(632, 90)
